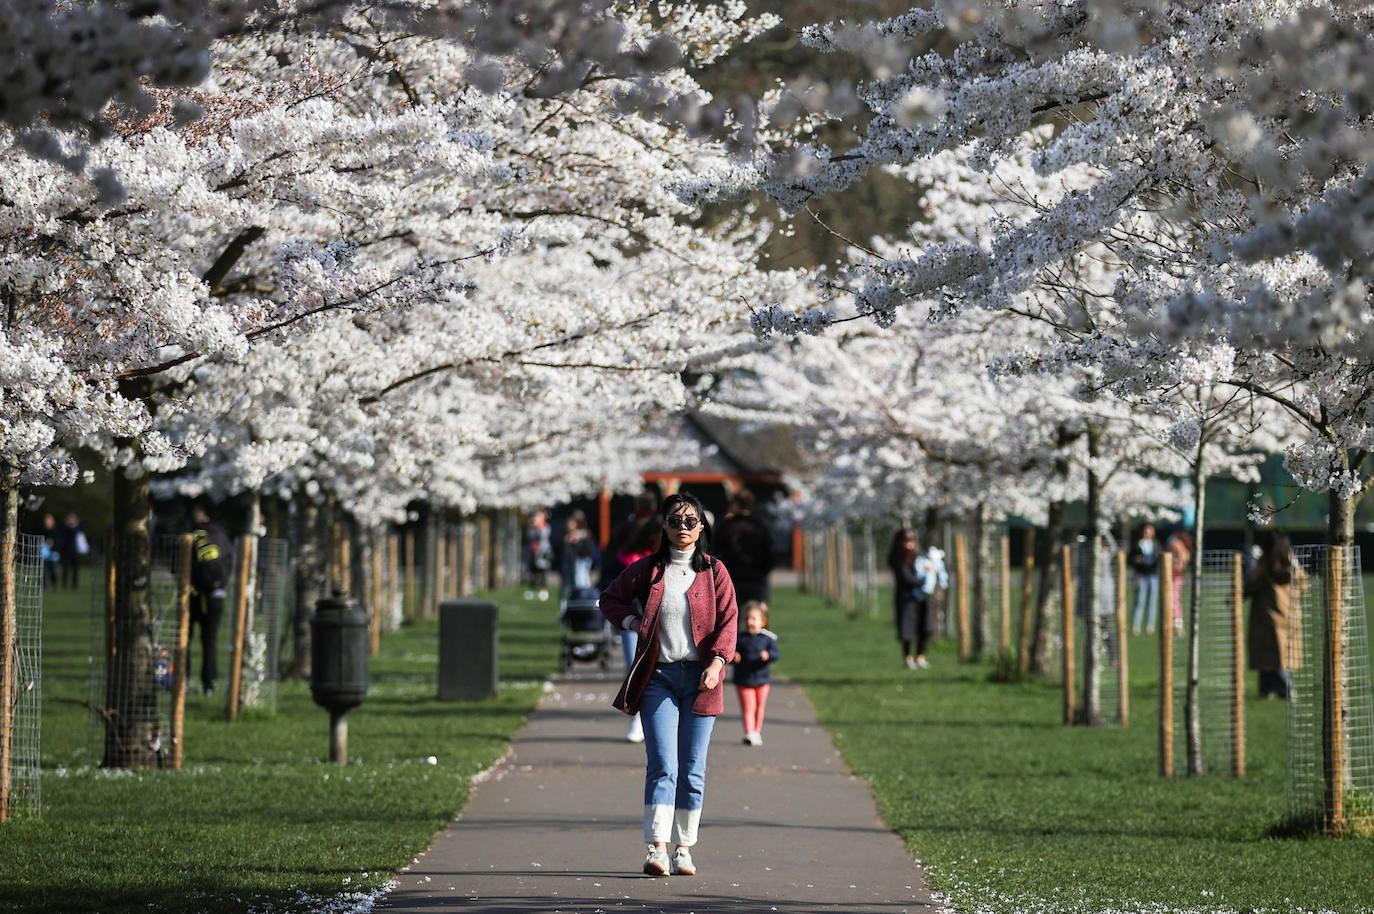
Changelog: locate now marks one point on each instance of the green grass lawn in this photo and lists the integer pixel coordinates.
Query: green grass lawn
(1014, 813)
(257, 820)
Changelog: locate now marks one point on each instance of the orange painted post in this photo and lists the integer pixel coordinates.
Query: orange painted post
(1238, 666)
(1166, 669)
(1066, 577)
(603, 517)
(183, 650)
(1023, 640)
(1123, 653)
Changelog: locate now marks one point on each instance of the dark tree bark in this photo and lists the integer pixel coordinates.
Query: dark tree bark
(1092, 622)
(1047, 561)
(133, 737)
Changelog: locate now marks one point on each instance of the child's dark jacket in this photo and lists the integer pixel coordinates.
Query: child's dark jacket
(751, 670)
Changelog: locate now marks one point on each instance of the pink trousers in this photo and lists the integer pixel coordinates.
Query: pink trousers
(752, 701)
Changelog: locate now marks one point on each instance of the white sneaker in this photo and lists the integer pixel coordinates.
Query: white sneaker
(636, 731)
(656, 860)
(754, 739)
(682, 863)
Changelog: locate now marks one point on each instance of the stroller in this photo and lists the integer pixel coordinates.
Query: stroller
(584, 634)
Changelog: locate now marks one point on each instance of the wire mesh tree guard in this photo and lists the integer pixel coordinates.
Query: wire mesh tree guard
(21, 683)
(1330, 771)
(138, 626)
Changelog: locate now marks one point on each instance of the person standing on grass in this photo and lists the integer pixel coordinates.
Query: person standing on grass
(682, 602)
(1180, 544)
(212, 561)
(1145, 563)
(910, 607)
(72, 548)
(1273, 586)
(755, 651)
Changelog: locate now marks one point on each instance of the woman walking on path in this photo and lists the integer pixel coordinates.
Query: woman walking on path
(682, 603)
(1273, 586)
(909, 604)
(755, 652)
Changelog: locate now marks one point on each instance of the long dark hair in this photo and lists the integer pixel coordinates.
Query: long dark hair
(1276, 557)
(701, 560)
(896, 553)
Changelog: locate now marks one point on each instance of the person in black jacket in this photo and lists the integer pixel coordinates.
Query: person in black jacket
(746, 547)
(909, 605)
(1144, 560)
(755, 650)
(212, 561)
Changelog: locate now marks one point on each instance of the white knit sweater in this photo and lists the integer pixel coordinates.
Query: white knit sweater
(675, 620)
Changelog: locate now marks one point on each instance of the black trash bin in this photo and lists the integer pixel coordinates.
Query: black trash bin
(339, 648)
(467, 650)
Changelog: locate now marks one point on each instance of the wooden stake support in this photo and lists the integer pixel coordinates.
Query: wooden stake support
(1333, 696)
(408, 611)
(9, 654)
(1237, 666)
(847, 573)
(181, 658)
(1066, 578)
(461, 560)
(242, 598)
(962, 596)
(374, 626)
(1166, 669)
(1023, 639)
(1004, 590)
(1123, 653)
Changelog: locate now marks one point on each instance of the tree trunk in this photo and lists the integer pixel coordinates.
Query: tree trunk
(133, 737)
(1047, 560)
(1192, 709)
(9, 621)
(1336, 775)
(1092, 627)
(311, 574)
(979, 622)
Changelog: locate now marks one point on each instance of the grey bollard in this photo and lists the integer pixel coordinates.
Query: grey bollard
(467, 650)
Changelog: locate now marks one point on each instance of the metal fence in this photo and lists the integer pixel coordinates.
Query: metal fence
(1330, 712)
(21, 686)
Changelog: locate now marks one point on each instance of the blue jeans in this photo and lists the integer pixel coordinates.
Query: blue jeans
(628, 642)
(675, 743)
(1146, 594)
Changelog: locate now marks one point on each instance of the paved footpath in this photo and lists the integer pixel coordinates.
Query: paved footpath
(556, 827)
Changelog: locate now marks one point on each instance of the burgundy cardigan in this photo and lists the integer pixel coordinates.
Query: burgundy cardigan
(711, 602)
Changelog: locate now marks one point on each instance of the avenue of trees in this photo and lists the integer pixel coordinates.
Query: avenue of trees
(363, 254)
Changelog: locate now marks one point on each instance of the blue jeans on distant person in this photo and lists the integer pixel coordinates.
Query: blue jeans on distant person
(1146, 594)
(675, 741)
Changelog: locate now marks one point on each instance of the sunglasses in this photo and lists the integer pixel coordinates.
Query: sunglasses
(681, 522)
